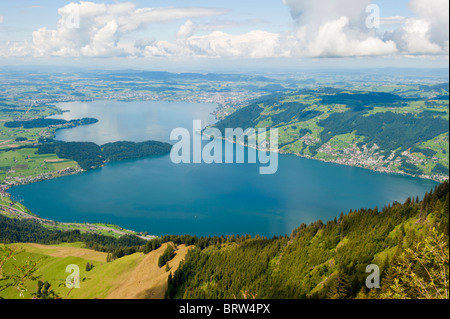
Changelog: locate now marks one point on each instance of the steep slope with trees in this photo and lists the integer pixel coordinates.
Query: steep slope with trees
(407, 241)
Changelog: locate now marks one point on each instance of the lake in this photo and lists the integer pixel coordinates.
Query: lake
(160, 197)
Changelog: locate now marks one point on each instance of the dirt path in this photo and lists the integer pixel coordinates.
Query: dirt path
(148, 281)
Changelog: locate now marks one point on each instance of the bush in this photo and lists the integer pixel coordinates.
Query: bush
(167, 255)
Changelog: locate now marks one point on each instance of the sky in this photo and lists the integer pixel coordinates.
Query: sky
(225, 34)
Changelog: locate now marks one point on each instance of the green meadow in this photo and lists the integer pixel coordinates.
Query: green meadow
(22, 163)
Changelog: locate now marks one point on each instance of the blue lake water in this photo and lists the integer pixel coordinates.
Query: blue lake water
(160, 197)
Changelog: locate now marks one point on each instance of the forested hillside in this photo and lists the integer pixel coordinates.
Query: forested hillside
(38, 123)
(386, 132)
(90, 155)
(407, 241)
(14, 230)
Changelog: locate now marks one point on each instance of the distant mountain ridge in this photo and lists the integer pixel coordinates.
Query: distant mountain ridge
(169, 76)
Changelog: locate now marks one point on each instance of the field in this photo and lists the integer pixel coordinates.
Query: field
(133, 276)
(18, 166)
(18, 162)
(15, 137)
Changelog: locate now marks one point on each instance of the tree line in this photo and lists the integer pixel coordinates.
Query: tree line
(14, 230)
(90, 155)
(329, 260)
(38, 123)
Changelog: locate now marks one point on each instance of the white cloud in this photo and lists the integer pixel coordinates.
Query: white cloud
(319, 12)
(392, 20)
(96, 30)
(333, 28)
(254, 44)
(15, 49)
(427, 32)
(1, 19)
(321, 28)
(186, 30)
(414, 38)
(189, 28)
(338, 28)
(334, 38)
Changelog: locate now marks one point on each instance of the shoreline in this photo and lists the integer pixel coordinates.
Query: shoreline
(337, 161)
(98, 228)
(427, 177)
(439, 179)
(12, 212)
(43, 177)
(4, 187)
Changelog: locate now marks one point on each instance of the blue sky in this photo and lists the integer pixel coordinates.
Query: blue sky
(218, 33)
(25, 16)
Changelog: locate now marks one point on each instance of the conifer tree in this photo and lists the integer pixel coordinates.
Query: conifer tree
(444, 225)
(341, 287)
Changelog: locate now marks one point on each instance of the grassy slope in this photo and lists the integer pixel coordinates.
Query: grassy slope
(132, 276)
(147, 280)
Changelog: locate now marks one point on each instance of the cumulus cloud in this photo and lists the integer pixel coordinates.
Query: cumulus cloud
(330, 28)
(323, 28)
(414, 38)
(319, 12)
(254, 44)
(436, 14)
(427, 32)
(339, 28)
(320, 28)
(95, 29)
(16, 49)
(336, 38)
